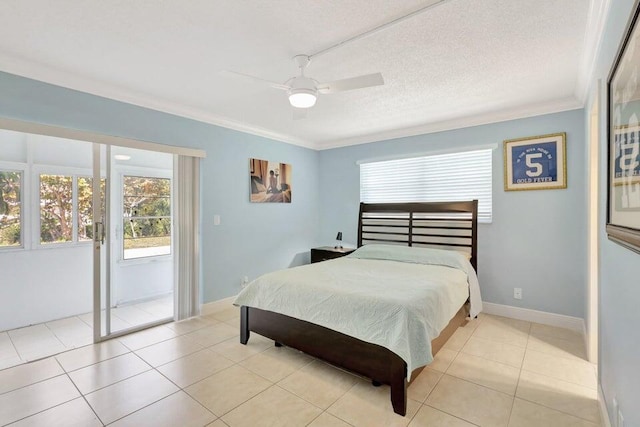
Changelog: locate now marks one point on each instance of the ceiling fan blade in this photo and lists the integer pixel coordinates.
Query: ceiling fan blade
(359, 82)
(254, 79)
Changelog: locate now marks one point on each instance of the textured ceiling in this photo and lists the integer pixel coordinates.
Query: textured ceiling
(462, 61)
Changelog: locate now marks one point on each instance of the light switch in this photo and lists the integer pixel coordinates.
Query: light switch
(216, 220)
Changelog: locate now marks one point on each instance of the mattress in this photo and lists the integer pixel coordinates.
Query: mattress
(398, 304)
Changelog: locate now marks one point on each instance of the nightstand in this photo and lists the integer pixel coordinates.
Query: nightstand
(324, 253)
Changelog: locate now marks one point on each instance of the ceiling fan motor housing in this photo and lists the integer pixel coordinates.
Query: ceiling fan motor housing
(303, 92)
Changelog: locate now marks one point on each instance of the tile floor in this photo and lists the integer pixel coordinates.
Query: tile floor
(21, 345)
(492, 372)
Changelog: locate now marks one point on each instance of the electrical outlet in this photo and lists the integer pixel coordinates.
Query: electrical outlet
(517, 293)
(216, 220)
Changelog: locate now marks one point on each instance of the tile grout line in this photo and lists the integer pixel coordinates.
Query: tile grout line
(450, 414)
(67, 348)
(54, 406)
(547, 376)
(65, 373)
(95, 363)
(115, 382)
(242, 403)
(86, 323)
(515, 393)
(238, 363)
(311, 403)
(559, 379)
(47, 409)
(33, 383)
(167, 396)
(471, 382)
(82, 395)
(56, 336)
(180, 389)
(14, 349)
(559, 410)
(574, 358)
(234, 363)
(255, 373)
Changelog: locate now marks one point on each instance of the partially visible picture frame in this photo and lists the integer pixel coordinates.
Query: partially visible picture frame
(269, 181)
(536, 163)
(623, 126)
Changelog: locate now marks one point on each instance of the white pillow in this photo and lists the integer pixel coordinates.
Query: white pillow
(414, 255)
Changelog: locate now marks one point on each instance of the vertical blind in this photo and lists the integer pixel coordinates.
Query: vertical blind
(436, 178)
(187, 236)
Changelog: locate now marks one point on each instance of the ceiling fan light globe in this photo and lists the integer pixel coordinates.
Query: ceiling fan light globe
(302, 98)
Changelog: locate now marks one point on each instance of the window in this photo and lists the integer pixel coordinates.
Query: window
(147, 216)
(10, 208)
(56, 208)
(85, 213)
(442, 177)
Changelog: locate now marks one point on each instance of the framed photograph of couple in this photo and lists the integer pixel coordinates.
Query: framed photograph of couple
(623, 123)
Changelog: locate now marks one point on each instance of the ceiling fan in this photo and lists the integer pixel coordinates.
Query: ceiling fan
(303, 91)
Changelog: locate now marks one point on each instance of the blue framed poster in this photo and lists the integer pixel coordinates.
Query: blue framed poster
(623, 127)
(535, 163)
(625, 167)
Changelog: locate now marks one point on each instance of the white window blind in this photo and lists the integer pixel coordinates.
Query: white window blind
(436, 178)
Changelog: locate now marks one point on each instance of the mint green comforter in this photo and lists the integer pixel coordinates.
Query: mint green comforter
(398, 305)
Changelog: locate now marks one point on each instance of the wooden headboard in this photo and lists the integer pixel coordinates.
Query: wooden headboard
(444, 225)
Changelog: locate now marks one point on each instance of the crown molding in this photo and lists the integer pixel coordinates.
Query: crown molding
(66, 79)
(58, 77)
(551, 107)
(596, 20)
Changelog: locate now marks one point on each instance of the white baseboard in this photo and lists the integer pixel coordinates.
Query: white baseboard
(215, 306)
(552, 319)
(604, 412)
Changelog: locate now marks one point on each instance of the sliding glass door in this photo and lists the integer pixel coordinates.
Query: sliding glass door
(132, 239)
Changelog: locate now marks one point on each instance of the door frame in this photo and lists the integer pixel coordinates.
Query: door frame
(593, 223)
(97, 139)
(102, 248)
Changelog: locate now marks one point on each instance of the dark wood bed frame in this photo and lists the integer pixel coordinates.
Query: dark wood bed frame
(444, 224)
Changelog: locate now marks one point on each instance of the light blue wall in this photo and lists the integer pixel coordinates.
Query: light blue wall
(537, 239)
(619, 284)
(252, 238)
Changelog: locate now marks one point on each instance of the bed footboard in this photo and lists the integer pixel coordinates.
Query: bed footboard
(369, 360)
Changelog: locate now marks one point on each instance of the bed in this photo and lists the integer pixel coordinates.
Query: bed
(450, 225)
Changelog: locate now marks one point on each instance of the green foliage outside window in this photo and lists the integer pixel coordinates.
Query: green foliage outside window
(10, 208)
(56, 208)
(85, 206)
(147, 212)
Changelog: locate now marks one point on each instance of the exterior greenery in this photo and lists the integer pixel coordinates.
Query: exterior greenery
(147, 212)
(10, 208)
(146, 203)
(56, 208)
